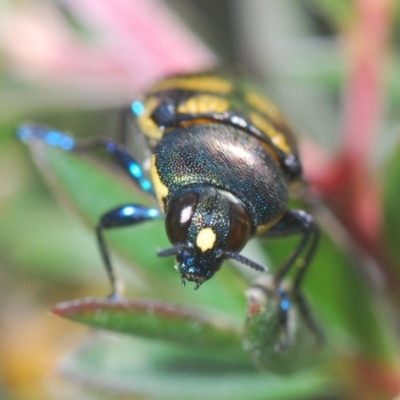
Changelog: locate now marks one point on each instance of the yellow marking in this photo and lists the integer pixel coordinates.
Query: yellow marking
(146, 124)
(277, 138)
(160, 189)
(197, 121)
(263, 105)
(263, 228)
(206, 239)
(196, 83)
(204, 103)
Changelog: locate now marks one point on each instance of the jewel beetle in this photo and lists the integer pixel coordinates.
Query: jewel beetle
(222, 159)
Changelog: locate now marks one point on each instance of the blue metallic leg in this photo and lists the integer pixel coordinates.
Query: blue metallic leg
(54, 138)
(296, 222)
(125, 215)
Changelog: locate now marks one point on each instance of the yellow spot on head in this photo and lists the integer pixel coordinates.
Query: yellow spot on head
(160, 189)
(206, 239)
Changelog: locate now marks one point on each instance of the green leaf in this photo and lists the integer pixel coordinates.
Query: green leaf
(153, 319)
(157, 371)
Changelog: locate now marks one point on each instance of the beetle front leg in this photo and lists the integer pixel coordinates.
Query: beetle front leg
(125, 215)
(296, 222)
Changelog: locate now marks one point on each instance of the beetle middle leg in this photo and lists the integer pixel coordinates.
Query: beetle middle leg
(58, 139)
(296, 222)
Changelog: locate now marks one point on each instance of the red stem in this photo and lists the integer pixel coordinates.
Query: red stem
(349, 185)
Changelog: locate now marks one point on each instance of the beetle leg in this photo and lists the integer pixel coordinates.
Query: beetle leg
(55, 138)
(296, 222)
(125, 215)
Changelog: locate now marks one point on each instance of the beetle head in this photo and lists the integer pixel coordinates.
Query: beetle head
(206, 225)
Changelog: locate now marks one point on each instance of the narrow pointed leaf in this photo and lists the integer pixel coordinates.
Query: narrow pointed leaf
(153, 319)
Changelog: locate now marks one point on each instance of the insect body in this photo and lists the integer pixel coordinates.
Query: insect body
(222, 159)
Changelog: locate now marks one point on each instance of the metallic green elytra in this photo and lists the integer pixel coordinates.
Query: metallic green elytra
(222, 158)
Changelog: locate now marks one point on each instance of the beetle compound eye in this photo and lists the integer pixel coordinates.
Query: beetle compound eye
(239, 228)
(179, 217)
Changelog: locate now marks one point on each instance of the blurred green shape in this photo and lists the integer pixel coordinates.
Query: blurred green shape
(391, 208)
(340, 12)
(157, 371)
(40, 240)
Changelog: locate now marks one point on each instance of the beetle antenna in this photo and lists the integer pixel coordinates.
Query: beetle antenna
(172, 251)
(244, 260)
